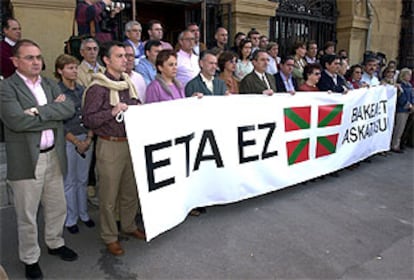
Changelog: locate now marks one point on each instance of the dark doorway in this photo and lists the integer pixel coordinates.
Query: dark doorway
(303, 20)
(174, 15)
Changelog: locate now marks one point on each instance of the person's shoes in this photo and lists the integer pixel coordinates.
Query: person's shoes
(138, 234)
(198, 211)
(115, 248)
(33, 271)
(73, 229)
(398, 151)
(195, 212)
(89, 223)
(64, 253)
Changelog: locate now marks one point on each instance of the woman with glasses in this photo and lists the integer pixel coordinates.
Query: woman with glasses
(227, 64)
(311, 75)
(354, 77)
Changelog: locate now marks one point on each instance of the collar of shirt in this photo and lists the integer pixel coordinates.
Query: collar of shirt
(333, 76)
(260, 75)
(28, 82)
(209, 83)
(181, 52)
(284, 78)
(95, 68)
(10, 42)
(204, 79)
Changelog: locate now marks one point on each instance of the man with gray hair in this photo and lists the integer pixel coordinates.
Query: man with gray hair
(133, 32)
(187, 61)
(89, 50)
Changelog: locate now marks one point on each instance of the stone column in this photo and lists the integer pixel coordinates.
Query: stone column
(48, 23)
(247, 14)
(352, 28)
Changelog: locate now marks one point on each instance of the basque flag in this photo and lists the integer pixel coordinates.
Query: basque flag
(330, 115)
(297, 118)
(298, 151)
(326, 145)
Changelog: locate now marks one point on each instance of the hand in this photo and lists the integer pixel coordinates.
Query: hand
(198, 94)
(292, 92)
(82, 147)
(60, 98)
(227, 92)
(31, 111)
(120, 107)
(107, 2)
(268, 92)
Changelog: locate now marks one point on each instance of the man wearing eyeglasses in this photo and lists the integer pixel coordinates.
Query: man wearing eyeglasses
(187, 61)
(89, 51)
(133, 31)
(32, 110)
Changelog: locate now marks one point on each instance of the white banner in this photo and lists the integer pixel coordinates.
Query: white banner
(215, 150)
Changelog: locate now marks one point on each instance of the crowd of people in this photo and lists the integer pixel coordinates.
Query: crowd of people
(56, 132)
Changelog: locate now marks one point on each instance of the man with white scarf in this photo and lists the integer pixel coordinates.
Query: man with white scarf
(105, 100)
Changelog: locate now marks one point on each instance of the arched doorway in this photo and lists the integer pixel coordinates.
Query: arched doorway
(303, 20)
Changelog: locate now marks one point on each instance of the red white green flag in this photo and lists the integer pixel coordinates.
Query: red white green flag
(298, 151)
(297, 118)
(329, 115)
(326, 145)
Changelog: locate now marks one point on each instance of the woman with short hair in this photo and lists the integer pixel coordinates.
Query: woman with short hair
(165, 85)
(79, 146)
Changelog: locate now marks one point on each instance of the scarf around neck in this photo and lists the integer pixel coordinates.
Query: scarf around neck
(114, 87)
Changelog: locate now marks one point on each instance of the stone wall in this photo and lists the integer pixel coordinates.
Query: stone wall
(48, 23)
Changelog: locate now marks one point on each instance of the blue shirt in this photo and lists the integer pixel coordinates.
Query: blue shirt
(146, 69)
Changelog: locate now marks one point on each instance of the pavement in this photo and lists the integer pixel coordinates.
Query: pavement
(355, 226)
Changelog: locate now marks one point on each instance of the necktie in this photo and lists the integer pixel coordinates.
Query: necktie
(264, 81)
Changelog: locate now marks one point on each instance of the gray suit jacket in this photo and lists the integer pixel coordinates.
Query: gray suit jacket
(197, 85)
(251, 83)
(23, 132)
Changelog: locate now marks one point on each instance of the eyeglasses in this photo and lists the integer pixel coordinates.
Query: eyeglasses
(188, 39)
(234, 61)
(32, 58)
(317, 73)
(129, 55)
(136, 30)
(290, 65)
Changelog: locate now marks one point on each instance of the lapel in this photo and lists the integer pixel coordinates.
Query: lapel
(23, 90)
(204, 86)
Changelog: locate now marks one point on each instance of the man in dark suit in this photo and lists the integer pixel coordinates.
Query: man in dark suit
(330, 80)
(258, 81)
(33, 110)
(205, 82)
(285, 82)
